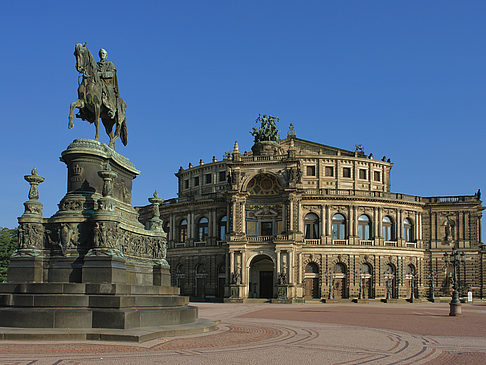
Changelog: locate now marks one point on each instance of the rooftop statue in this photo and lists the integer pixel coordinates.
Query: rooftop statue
(268, 129)
(98, 95)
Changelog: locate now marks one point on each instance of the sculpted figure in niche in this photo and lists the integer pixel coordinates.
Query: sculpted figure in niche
(449, 230)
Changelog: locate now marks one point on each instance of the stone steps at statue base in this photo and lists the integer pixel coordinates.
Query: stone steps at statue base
(60, 317)
(84, 288)
(106, 334)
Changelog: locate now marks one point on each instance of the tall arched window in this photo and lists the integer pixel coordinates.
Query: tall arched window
(408, 230)
(388, 229)
(222, 228)
(338, 227)
(183, 230)
(202, 229)
(311, 227)
(364, 227)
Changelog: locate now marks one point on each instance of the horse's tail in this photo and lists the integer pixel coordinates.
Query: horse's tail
(123, 132)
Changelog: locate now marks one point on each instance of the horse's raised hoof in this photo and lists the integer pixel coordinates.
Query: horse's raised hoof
(71, 124)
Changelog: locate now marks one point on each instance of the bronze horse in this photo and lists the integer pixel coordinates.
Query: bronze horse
(90, 99)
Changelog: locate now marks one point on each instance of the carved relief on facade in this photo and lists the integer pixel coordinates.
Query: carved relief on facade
(77, 173)
(31, 236)
(70, 204)
(125, 193)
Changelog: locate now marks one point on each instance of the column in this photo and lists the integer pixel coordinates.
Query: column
(233, 216)
(291, 214)
(170, 236)
(232, 263)
(243, 216)
(278, 262)
(299, 268)
(291, 266)
(189, 226)
(433, 235)
(349, 223)
(355, 221)
(380, 224)
(228, 268)
(375, 233)
(299, 218)
(419, 226)
(398, 226)
(328, 223)
(322, 225)
(284, 216)
(214, 224)
(460, 229)
(244, 273)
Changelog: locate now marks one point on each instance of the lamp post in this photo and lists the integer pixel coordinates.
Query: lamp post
(432, 277)
(412, 287)
(455, 258)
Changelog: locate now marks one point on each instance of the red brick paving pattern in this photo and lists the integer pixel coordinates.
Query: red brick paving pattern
(295, 333)
(234, 336)
(422, 321)
(458, 358)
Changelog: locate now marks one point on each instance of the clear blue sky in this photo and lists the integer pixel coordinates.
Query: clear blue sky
(404, 78)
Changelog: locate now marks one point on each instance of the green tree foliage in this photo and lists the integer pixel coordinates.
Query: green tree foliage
(8, 244)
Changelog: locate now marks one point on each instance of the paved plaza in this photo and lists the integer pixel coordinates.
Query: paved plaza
(263, 333)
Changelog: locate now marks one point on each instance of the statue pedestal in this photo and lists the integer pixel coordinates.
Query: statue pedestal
(102, 267)
(26, 267)
(92, 268)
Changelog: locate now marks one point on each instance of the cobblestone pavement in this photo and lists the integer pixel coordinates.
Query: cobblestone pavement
(291, 334)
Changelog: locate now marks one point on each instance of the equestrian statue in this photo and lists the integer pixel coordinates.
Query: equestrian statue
(98, 95)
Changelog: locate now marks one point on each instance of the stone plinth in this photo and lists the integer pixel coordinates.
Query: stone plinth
(92, 265)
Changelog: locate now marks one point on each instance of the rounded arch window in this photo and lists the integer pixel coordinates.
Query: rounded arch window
(202, 229)
(339, 269)
(338, 227)
(364, 227)
(222, 225)
(408, 230)
(201, 269)
(389, 270)
(183, 230)
(410, 270)
(311, 226)
(388, 229)
(312, 268)
(365, 269)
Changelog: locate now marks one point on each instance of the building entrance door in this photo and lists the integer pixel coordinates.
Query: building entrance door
(312, 288)
(338, 288)
(366, 287)
(266, 284)
(261, 277)
(200, 288)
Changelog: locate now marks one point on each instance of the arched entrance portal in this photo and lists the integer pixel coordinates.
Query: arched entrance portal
(339, 281)
(311, 281)
(261, 277)
(410, 276)
(365, 273)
